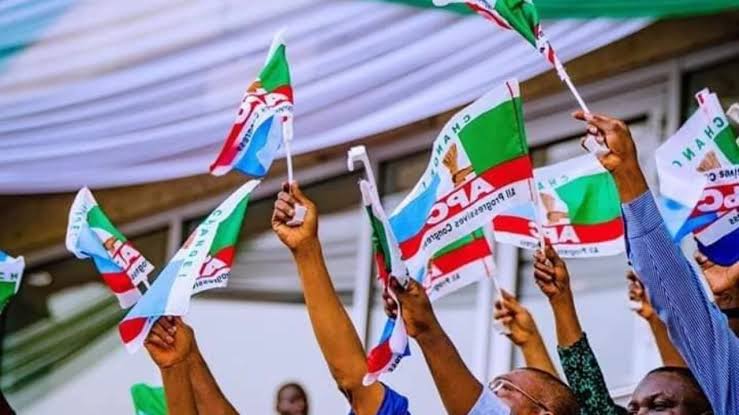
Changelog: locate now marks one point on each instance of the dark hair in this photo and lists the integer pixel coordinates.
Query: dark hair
(560, 398)
(702, 404)
(289, 385)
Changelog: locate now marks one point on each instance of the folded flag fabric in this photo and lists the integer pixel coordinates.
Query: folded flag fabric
(264, 119)
(393, 344)
(148, 400)
(698, 169)
(479, 168)
(203, 262)
(579, 207)
(90, 234)
(518, 15)
(11, 273)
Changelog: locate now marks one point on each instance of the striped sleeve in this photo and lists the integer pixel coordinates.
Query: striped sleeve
(696, 326)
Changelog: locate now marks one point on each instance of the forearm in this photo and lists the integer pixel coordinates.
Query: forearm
(209, 398)
(536, 356)
(696, 326)
(668, 352)
(332, 326)
(457, 386)
(566, 320)
(178, 390)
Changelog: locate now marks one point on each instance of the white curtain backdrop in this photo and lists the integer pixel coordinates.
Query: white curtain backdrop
(109, 93)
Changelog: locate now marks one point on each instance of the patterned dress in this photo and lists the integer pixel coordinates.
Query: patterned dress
(586, 380)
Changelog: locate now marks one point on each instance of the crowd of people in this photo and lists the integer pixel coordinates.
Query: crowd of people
(697, 338)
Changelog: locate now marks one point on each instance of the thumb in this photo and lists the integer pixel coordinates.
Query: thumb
(552, 254)
(298, 194)
(510, 302)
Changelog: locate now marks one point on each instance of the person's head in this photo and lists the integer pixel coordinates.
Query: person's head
(530, 391)
(291, 400)
(669, 390)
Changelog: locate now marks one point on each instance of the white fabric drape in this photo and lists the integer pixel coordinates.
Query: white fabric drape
(116, 93)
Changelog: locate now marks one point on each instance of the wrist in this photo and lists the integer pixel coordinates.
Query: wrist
(562, 300)
(307, 248)
(630, 181)
(430, 334)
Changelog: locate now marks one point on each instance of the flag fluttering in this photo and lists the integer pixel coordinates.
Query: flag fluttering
(203, 262)
(521, 16)
(263, 121)
(148, 400)
(393, 343)
(90, 234)
(580, 210)
(479, 168)
(698, 169)
(11, 273)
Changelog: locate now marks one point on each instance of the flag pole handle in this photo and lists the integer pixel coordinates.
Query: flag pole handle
(287, 138)
(499, 327)
(590, 143)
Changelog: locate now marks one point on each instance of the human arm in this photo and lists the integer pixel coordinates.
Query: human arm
(524, 333)
(169, 350)
(461, 393)
(578, 361)
(638, 295)
(695, 325)
(334, 331)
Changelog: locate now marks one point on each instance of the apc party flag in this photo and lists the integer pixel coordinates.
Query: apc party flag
(264, 119)
(148, 400)
(11, 272)
(393, 344)
(579, 207)
(479, 168)
(203, 262)
(698, 169)
(90, 234)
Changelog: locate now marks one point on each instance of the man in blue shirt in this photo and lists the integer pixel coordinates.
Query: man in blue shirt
(522, 392)
(696, 326)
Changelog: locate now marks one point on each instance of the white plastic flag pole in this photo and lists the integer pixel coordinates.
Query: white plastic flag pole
(287, 138)
(499, 327)
(537, 214)
(591, 144)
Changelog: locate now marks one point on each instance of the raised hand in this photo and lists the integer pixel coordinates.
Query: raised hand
(622, 159)
(170, 341)
(418, 315)
(720, 279)
(638, 295)
(551, 274)
(517, 319)
(294, 237)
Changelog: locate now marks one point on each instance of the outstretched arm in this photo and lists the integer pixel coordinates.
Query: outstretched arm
(169, 351)
(579, 363)
(460, 391)
(336, 336)
(524, 333)
(696, 326)
(638, 296)
(207, 394)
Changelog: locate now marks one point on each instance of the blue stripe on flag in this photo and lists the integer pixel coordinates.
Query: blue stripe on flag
(262, 149)
(409, 221)
(725, 251)
(154, 303)
(3, 256)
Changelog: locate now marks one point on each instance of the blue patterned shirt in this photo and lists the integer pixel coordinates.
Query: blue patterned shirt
(696, 326)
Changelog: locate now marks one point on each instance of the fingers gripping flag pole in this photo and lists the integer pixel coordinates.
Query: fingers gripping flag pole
(393, 344)
(522, 17)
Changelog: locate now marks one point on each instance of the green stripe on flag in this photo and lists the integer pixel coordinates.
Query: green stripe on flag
(276, 72)
(495, 136)
(478, 234)
(379, 238)
(726, 142)
(148, 400)
(96, 218)
(591, 199)
(228, 231)
(521, 15)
